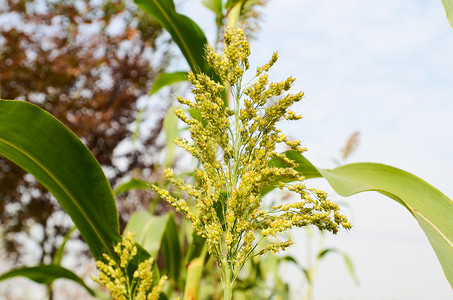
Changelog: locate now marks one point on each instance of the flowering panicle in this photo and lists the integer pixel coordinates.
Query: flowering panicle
(235, 146)
(114, 277)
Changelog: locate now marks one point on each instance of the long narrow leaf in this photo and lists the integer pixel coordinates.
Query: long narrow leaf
(44, 147)
(132, 184)
(46, 274)
(448, 5)
(184, 31)
(214, 5)
(171, 249)
(60, 251)
(158, 232)
(166, 79)
(149, 230)
(432, 209)
(171, 132)
(194, 272)
(350, 266)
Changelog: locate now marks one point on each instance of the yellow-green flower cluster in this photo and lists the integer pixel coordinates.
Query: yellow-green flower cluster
(114, 277)
(235, 146)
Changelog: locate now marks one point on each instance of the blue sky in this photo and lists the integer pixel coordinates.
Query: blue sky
(384, 68)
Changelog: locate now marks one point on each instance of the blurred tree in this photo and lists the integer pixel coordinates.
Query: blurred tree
(87, 63)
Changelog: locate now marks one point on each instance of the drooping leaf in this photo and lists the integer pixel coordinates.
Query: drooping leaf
(432, 209)
(46, 274)
(217, 7)
(194, 272)
(347, 260)
(190, 39)
(350, 266)
(166, 79)
(158, 232)
(183, 30)
(214, 5)
(59, 254)
(448, 5)
(171, 249)
(171, 132)
(325, 252)
(149, 230)
(132, 184)
(304, 167)
(36, 141)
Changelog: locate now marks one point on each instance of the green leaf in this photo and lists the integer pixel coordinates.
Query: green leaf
(190, 39)
(214, 5)
(171, 249)
(184, 31)
(158, 232)
(347, 260)
(304, 167)
(149, 230)
(37, 142)
(46, 274)
(324, 252)
(194, 272)
(171, 132)
(132, 184)
(448, 5)
(60, 252)
(432, 209)
(350, 266)
(166, 79)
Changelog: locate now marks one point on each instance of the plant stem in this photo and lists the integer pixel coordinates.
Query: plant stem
(50, 291)
(228, 284)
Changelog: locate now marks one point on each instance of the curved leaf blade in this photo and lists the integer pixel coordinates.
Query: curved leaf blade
(171, 133)
(166, 79)
(448, 6)
(194, 272)
(304, 167)
(432, 209)
(46, 274)
(350, 266)
(60, 251)
(132, 184)
(184, 31)
(149, 230)
(171, 249)
(156, 233)
(44, 147)
(190, 39)
(215, 5)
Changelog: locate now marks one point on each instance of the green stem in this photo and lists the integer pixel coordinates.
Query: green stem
(50, 291)
(313, 269)
(228, 284)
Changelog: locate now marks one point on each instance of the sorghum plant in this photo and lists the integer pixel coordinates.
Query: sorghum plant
(234, 146)
(114, 277)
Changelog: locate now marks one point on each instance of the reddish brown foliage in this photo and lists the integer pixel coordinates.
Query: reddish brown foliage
(65, 58)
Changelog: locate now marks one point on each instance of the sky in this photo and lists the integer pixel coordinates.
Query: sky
(384, 68)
